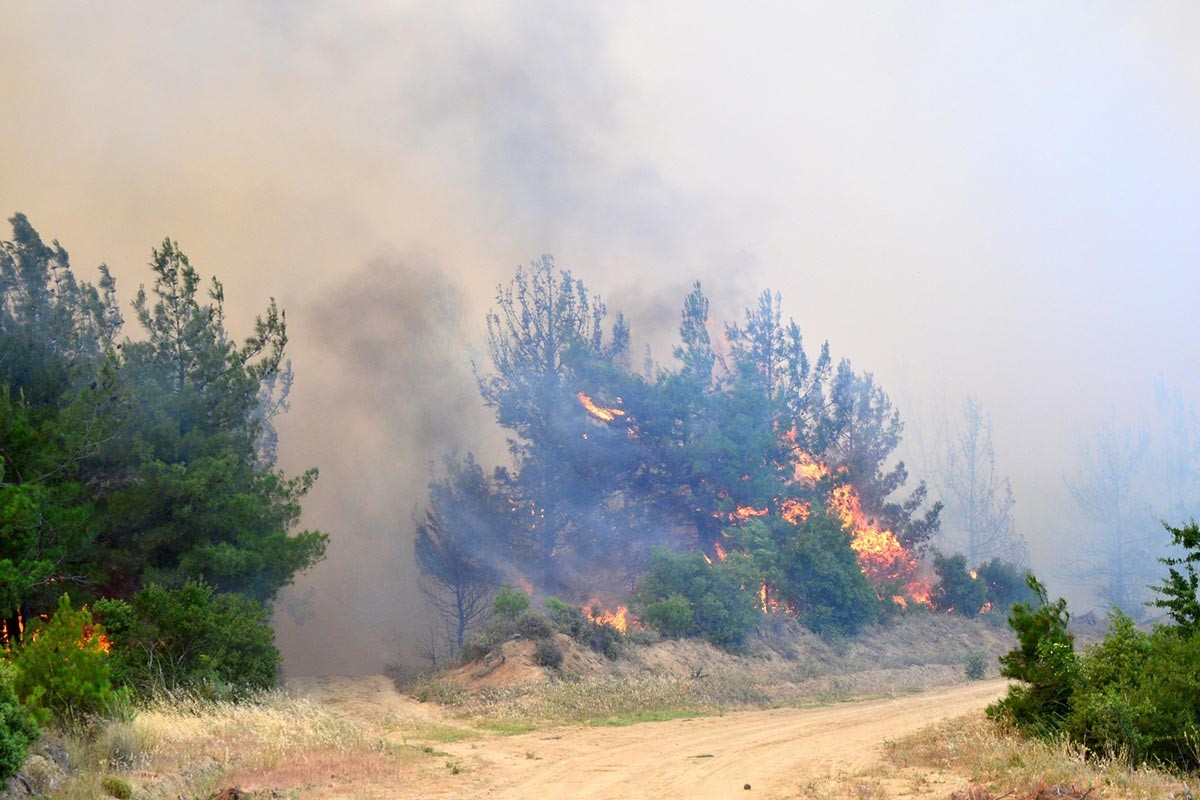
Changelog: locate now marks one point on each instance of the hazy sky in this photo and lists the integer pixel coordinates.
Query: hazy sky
(962, 198)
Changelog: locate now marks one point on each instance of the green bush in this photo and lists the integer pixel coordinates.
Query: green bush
(1135, 695)
(1140, 696)
(62, 669)
(533, 625)
(509, 602)
(722, 597)
(17, 728)
(497, 630)
(672, 616)
(975, 667)
(956, 590)
(823, 580)
(548, 654)
(1044, 662)
(572, 621)
(192, 637)
(117, 787)
(1005, 583)
(1180, 593)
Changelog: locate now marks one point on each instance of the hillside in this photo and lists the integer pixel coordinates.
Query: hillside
(787, 665)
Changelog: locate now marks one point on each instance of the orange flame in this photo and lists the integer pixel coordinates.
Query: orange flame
(93, 638)
(618, 619)
(795, 511)
(899, 600)
(599, 412)
(767, 601)
(808, 469)
(720, 551)
(745, 513)
(524, 584)
(880, 554)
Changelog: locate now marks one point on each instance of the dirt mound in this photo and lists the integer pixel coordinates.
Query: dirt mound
(914, 651)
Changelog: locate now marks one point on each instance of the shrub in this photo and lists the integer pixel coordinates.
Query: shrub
(956, 589)
(192, 637)
(672, 616)
(534, 625)
(1005, 583)
(603, 639)
(510, 602)
(1140, 695)
(824, 580)
(115, 786)
(975, 667)
(62, 670)
(548, 654)
(1044, 661)
(485, 641)
(1180, 593)
(723, 609)
(572, 621)
(560, 612)
(17, 728)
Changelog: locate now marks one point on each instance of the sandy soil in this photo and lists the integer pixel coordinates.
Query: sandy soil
(785, 753)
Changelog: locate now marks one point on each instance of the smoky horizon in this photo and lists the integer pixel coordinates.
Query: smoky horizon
(989, 211)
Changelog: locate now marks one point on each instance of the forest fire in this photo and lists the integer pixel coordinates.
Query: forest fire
(618, 620)
(881, 555)
(795, 511)
(598, 412)
(744, 513)
(93, 638)
(808, 468)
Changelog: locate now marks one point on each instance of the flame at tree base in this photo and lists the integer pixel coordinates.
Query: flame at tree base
(618, 620)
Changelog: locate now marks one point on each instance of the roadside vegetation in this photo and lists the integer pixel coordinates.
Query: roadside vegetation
(990, 760)
(1135, 695)
(144, 525)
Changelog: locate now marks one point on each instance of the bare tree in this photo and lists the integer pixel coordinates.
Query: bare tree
(1176, 446)
(458, 541)
(978, 518)
(1124, 529)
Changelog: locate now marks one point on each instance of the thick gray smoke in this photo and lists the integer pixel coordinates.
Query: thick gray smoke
(394, 395)
(993, 201)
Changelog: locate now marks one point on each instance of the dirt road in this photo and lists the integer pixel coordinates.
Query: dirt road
(781, 753)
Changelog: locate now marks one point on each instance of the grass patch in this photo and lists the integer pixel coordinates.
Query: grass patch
(997, 760)
(647, 715)
(188, 746)
(505, 727)
(432, 732)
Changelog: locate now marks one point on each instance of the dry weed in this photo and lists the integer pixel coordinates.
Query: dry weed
(998, 762)
(187, 746)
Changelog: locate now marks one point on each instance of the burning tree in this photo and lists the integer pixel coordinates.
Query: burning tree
(780, 459)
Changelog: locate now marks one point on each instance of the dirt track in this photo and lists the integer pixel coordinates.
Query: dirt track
(780, 753)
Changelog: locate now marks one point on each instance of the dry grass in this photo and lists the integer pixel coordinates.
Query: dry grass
(184, 746)
(626, 699)
(995, 761)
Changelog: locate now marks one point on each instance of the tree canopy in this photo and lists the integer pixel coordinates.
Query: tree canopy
(127, 461)
(746, 446)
